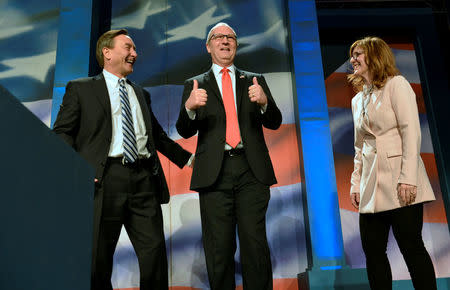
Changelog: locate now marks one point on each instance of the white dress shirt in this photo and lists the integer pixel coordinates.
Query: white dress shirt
(217, 71)
(116, 148)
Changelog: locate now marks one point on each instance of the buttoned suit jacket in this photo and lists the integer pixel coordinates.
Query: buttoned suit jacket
(210, 124)
(387, 148)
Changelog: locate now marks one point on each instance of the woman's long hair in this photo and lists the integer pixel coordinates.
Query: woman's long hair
(380, 61)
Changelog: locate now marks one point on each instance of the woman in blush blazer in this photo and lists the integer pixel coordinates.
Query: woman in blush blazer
(389, 183)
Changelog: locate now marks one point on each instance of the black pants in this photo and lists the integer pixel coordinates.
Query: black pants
(129, 199)
(406, 225)
(236, 199)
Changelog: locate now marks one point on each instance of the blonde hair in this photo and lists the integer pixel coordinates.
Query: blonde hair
(379, 59)
(107, 40)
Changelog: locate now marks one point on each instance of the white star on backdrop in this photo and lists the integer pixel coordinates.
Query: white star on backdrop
(35, 66)
(197, 28)
(11, 31)
(138, 18)
(274, 37)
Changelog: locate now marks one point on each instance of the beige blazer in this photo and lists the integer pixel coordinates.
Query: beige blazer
(387, 147)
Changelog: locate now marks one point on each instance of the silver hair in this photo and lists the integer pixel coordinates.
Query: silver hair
(208, 38)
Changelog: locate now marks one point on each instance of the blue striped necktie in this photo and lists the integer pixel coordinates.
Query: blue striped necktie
(130, 152)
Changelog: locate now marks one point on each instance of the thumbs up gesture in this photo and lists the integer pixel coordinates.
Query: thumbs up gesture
(256, 93)
(197, 98)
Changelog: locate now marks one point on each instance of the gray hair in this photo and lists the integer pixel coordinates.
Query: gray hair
(208, 38)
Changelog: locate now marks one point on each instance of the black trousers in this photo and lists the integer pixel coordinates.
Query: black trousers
(129, 199)
(236, 199)
(406, 223)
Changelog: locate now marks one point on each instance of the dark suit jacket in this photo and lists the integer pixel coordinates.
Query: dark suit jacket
(210, 123)
(84, 122)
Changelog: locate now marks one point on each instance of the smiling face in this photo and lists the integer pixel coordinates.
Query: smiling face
(359, 64)
(222, 50)
(119, 59)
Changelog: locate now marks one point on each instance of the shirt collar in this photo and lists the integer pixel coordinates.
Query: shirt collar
(217, 69)
(111, 79)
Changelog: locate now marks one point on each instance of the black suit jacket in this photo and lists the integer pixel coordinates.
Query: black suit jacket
(84, 122)
(210, 123)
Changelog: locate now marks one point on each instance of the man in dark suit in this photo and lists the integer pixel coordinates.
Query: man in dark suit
(232, 169)
(109, 121)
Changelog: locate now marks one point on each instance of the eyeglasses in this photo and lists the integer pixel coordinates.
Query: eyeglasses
(221, 36)
(356, 54)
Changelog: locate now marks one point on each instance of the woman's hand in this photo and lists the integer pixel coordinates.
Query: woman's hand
(354, 197)
(406, 193)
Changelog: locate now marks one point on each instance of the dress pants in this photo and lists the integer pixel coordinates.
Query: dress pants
(236, 199)
(129, 199)
(406, 223)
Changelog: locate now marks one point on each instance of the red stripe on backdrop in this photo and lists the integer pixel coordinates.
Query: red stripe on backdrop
(281, 284)
(434, 211)
(419, 98)
(283, 150)
(178, 179)
(404, 46)
(285, 154)
(340, 93)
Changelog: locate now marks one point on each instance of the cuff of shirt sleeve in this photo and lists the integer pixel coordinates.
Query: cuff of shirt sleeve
(190, 161)
(191, 114)
(263, 109)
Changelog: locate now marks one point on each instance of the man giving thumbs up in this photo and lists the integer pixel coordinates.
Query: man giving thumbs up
(228, 108)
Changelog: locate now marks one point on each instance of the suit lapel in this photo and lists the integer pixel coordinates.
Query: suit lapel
(210, 80)
(240, 82)
(375, 104)
(240, 86)
(101, 93)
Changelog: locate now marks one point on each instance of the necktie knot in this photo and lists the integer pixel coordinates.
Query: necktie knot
(225, 70)
(122, 82)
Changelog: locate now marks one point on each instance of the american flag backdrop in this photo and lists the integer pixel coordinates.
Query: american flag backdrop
(170, 39)
(28, 52)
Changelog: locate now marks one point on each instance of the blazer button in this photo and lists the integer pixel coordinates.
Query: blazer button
(375, 151)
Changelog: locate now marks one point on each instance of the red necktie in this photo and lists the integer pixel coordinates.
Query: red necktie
(233, 137)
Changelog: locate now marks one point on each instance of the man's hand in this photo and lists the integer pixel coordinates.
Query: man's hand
(406, 193)
(256, 93)
(197, 98)
(354, 197)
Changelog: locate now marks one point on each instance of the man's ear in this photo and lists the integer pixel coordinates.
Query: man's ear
(106, 53)
(207, 48)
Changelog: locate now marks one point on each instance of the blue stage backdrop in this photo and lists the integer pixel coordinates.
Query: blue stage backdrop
(170, 39)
